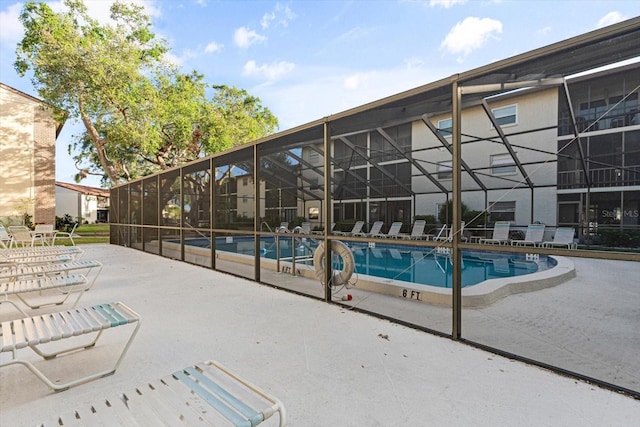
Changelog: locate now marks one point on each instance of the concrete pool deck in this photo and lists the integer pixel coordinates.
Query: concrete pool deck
(329, 366)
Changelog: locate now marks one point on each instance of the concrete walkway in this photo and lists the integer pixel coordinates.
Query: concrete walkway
(329, 366)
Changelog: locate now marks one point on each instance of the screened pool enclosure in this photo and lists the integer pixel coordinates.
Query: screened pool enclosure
(521, 142)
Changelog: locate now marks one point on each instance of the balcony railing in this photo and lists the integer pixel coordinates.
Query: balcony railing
(603, 177)
(591, 121)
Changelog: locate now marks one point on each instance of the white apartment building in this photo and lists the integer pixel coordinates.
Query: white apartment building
(530, 169)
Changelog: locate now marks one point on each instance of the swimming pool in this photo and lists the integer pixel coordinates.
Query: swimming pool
(396, 262)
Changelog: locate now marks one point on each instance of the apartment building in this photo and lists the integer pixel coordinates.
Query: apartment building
(28, 132)
(88, 204)
(523, 158)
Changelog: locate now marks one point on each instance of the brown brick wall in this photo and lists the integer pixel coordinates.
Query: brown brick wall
(44, 166)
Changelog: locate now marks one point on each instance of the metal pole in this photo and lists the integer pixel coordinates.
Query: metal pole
(256, 210)
(456, 278)
(327, 211)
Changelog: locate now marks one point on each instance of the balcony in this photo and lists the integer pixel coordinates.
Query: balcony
(601, 177)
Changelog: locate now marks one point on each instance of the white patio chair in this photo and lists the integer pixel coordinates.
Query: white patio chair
(37, 331)
(562, 237)
(500, 234)
(5, 238)
(21, 236)
(333, 225)
(417, 231)
(374, 231)
(394, 231)
(45, 233)
(64, 234)
(357, 229)
(533, 236)
(206, 393)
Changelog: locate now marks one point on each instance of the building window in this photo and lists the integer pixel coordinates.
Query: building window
(314, 157)
(244, 199)
(502, 164)
(444, 170)
(502, 211)
(445, 127)
(507, 115)
(245, 181)
(399, 146)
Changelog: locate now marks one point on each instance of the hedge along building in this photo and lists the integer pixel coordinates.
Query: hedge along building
(494, 137)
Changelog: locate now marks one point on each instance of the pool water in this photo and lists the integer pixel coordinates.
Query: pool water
(388, 261)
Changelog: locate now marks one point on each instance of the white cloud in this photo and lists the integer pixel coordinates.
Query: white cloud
(213, 47)
(446, 3)
(356, 81)
(610, 19)
(322, 91)
(243, 37)
(172, 59)
(281, 15)
(353, 34)
(544, 31)
(11, 31)
(470, 34)
(271, 72)
(266, 19)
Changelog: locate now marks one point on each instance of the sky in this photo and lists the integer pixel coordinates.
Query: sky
(307, 59)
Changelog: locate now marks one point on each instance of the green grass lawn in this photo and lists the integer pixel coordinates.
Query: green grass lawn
(87, 234)
(92, 228)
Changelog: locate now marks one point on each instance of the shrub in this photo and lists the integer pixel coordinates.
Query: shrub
(65, 223)
(620, 238)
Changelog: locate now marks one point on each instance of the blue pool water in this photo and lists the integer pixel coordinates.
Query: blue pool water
(409, 264)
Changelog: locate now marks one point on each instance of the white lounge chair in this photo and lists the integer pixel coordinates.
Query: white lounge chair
(89, 268)
(5, 239)
(357, 229)
(533, 236)
(23, 289)
(37, 331)
(374, 231)
(206, 393)
(20, 236)
(32, 253)
(562, 237)
(417, 231)
(64, 234)
(394, 231)
(500, 234)
(333, 224)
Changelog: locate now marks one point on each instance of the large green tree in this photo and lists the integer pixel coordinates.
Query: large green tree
(140, 114)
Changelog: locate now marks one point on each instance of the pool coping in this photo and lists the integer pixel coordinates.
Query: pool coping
(480, 295)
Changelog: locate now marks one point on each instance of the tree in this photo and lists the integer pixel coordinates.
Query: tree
(175, 123)
(140, 114)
